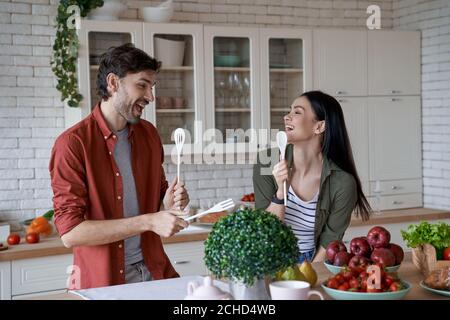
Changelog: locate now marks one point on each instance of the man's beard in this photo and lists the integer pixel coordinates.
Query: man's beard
(125, 108)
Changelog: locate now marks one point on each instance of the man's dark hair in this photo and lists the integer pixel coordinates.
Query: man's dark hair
(121, 61)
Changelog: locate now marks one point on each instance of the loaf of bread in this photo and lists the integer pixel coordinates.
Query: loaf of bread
(439, 279)
(212, 217)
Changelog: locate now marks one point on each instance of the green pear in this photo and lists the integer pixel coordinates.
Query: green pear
(291, 273)
(308, 271)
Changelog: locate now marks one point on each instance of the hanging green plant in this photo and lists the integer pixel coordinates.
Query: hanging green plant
(65, 48)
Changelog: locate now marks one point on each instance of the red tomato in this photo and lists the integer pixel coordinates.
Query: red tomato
(354, 283)
(339, 278)
(13, 239)
(396, 286)
(32, 237)
(344, 287)
(333, 284)
(446, 254)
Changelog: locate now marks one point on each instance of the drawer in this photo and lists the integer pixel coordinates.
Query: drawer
(187, 258)
(391, 187)
(40, 274)
(400, 201)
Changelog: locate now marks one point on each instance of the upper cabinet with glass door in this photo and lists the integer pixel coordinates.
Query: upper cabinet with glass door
(179, 84)
(95, 38)
(285, 73)
(232, 82)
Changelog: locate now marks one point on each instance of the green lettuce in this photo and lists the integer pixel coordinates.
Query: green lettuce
(437, 234)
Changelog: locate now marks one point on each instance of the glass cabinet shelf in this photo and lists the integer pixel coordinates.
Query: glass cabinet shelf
(231, 69)
(174, 110)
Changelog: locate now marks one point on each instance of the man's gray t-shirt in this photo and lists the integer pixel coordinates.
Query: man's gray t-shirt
(122, 156)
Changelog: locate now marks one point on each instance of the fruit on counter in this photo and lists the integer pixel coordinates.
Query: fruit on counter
(333, 248)
(308, 271)
(249, 197)
(366, 247)
(290, 273)
(13, 239)
(41, 226)
(397, 251)
(356, 280)
(360, 247)
(378, 237)
(32, 237)
(383, 256)
(359, 262)
(342, 258)
(446, 254)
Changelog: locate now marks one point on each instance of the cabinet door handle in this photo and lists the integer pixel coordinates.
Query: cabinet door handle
(395, 99)
(181, 262)
(395, 91)
(340, 92)
(394, 187)
(341, 100)
(397, 202)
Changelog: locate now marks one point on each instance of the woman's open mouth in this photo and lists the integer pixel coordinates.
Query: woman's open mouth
(288, 127)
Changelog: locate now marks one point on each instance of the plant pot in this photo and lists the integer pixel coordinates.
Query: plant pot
(110, 10)
(258, 291)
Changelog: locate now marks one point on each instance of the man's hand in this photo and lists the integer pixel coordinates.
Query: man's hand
(176, 196)
(165, 223)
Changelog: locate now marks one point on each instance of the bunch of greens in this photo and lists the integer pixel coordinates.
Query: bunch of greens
(250, 244)
(438, 235)
(65, 48)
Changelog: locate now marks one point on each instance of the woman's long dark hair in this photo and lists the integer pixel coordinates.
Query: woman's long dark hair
(336, 144)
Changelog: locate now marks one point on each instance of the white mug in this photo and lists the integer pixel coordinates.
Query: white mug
(292, 290)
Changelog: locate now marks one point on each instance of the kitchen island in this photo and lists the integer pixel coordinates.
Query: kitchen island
(407, 272)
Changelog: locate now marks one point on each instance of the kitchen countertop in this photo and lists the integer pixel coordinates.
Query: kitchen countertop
(53, 245)
(407, 272)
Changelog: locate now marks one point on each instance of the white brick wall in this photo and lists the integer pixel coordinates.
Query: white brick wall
(432, 17)
(31, 115)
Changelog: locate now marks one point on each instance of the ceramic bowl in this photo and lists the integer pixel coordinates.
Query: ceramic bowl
(110, 10)
(156, 14)
(336, 269)
(227, 60)
(349, 295)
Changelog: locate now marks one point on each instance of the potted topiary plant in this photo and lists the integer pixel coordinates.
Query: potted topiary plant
(246, 247)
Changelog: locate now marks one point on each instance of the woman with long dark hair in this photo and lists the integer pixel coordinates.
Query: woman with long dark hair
(323, 186)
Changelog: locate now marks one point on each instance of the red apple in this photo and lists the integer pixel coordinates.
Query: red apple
(333, 248)
(342, 258)
(398, 253)
(378, 237)
(360, 247)
(383, 256)
(359, 262)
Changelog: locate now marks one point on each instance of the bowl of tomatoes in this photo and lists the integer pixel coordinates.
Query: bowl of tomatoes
(248, 200)
(371, 283)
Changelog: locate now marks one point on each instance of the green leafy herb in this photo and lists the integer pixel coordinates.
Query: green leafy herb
(250, 244)
(65, 49)
(438, 235)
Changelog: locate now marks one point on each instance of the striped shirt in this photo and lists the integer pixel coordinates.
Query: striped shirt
(300, 216)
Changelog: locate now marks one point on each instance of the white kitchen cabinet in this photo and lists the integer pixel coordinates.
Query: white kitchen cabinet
(395, 138)
(40, 274)
(5, 280)
(286, 72)
(179, 94)
(340, 62)
(95, 38)
(187, 257)
(356, 121)
(232, 85)
(394, 62)
(398, 201)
